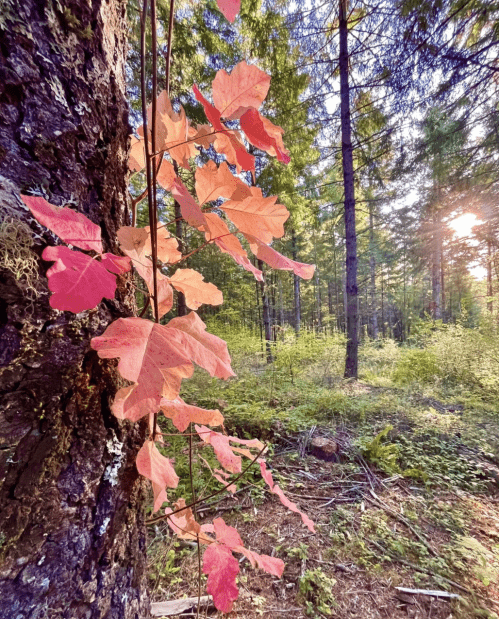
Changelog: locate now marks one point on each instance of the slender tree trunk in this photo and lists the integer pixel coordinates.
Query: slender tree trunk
(72, 529)
(490, 291)
(267, 323)
(296, 286)
(436, 265)
(351, 361)
(372, 267)
(382, 307)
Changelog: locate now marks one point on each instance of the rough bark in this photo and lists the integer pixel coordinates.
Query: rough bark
(351, 361)
(72, 536)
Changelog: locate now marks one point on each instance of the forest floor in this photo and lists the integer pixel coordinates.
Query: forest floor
(408, 497)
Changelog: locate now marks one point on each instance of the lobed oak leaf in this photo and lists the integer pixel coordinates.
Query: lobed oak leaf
(214, 182)
(158, 469)
(226, 534)
(182, 414)
(275, 489)
(223, 478)
(264, 136)
(229, 8)
(246, 86)
(277, 261)
(165, 291)
(223, 449)
(222, 569)
(202, 135)
(225, 142)
(116, 264)
(195, 289)
(78, 281)
(72, 227)
(257, 215)
(157, 357)
(184, 524)
(271, 565)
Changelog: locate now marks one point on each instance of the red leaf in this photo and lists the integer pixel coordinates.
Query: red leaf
(78, 281)
(183, 414)
(246, 86)
(195, 289)
(253, 126)
(222, 569)
(153, 465)
(226, 534)
(116, 264)
(271, 565)
(258, 216)
(229, 8)
(224, 451)
(72, 227)
(274, 488)
(157, 358)
(277, 261)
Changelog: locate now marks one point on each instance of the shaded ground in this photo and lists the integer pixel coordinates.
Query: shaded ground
(416, 507)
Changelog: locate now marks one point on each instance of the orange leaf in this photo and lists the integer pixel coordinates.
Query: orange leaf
(136, 158)
(189, 208)
(258, 216)
(214, 182)
(246, 86)
(277, 261)
(195, 289)
(184, 524)
(183, 414)
(166, 175)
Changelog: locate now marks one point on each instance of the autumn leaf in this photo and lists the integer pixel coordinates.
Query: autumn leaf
(275, 489)
(136, 158)
(189, 208)
(115, 264)
(223, 449)
(257, 215)
(229, 8)
(277, 261)
(183, 414)
(252, 123)
(214, 182)
(246, 86)
(155, 467)
(72, 227)
(184, 524)
(195, 289)
(227, 143)
(166, 175)
(157, 357)
(222, 569)
(78, 281)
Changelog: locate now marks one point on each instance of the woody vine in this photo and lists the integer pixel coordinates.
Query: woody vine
(156, 357)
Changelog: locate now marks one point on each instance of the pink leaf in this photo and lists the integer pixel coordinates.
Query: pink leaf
(257, 134)
(116, 264)
(189, 208)
(183, 414)
(277, 261)
(72, 227)
(271, 565)
(157, 357)
(223, 478)
(77, 281)
(246, 86)
(229, 8)
(222, 569)
(226, 534)
(274, 488)
(153, 465)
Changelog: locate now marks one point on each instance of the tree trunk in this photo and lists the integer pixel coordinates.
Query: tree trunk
(372, 268)
(490, 291)
(72, 530)
(351, 361)
(267, 322)
(296, 287)
(437, 266)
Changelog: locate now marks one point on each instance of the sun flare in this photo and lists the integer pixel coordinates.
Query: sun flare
(463, 224)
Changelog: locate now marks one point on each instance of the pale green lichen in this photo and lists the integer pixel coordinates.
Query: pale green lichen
(16, 256)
